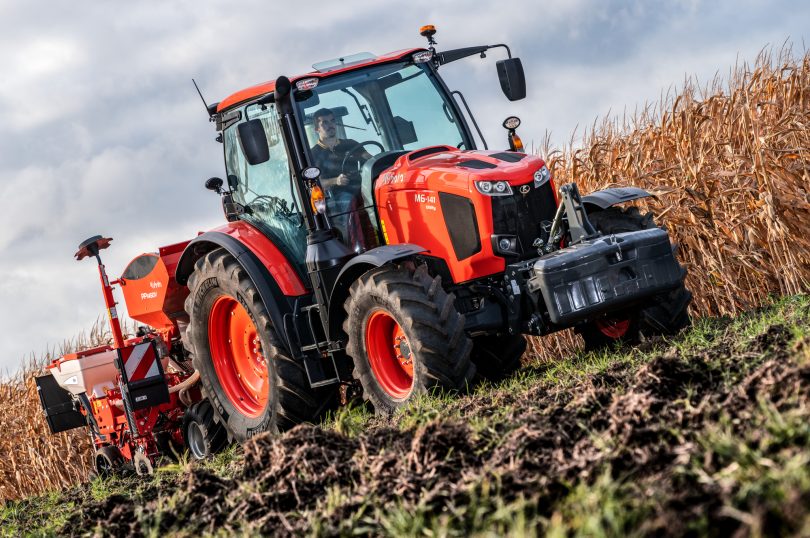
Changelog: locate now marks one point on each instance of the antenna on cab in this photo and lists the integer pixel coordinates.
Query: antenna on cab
(210, 109)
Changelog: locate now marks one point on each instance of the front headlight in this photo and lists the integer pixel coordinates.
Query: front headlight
(542, 176)
(493, 188)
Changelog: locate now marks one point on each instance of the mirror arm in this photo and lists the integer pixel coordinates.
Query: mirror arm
(508, 51)
(457, 54)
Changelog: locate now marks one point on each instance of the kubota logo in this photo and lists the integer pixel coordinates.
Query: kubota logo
(155, 284)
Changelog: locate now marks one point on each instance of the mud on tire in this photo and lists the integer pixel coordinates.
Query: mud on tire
(286, 398)
(665, 315)
(397, 311)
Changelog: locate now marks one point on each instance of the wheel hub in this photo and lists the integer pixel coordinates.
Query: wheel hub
(403, 352)
(389, 354)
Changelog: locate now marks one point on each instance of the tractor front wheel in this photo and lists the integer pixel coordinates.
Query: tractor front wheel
(406, 337)
(250, 381)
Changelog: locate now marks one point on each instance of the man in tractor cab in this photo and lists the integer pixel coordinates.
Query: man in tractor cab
(333, 155)
(339, 162)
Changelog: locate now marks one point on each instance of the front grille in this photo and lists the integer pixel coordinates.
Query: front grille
(462, 226)
(523, 215)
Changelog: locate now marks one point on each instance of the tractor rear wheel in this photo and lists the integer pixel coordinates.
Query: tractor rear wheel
(406, 337)
(250, 381)
(498, 356)
(666, 314)
(201, 433)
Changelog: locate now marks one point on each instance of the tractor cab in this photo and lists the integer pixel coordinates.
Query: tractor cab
(351, 117)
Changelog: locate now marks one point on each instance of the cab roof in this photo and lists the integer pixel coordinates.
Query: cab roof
(267, 87)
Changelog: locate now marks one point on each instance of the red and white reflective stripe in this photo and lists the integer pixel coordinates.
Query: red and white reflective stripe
(140, 361)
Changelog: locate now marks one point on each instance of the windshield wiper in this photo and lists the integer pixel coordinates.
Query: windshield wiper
(363, 110)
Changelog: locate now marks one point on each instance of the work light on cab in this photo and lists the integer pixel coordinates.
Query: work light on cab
(422, 57)
(312, 173)
(510, 124)
(306, 84)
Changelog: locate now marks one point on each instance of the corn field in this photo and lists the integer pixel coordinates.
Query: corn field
(32, 460)
(729, 163)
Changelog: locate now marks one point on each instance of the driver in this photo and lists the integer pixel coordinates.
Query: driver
(330, 153)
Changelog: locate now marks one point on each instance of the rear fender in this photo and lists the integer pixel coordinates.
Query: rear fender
(371, 259)
(596, 201)
(274, 277)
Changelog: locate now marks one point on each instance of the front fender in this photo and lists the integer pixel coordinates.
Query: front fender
(275, 280)
(376, 257)
(605, 198)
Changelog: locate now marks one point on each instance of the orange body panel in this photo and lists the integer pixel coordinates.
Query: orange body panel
(407, 196)
(269, 255)
(155, 298)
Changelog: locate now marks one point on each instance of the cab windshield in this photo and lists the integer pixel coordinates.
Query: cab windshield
(388, 108)
(357, 124)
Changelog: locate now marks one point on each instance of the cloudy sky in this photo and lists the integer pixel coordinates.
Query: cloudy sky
(104, 133)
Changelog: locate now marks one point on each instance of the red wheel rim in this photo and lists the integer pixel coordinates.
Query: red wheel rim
(389, 354)
(612, 327)
(236, 352)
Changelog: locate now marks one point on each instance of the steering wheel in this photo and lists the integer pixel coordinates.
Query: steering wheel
(354, 149)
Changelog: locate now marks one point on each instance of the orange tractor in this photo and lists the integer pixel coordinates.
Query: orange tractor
(371, 243)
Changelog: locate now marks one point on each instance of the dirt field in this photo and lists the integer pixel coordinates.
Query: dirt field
(707, 434)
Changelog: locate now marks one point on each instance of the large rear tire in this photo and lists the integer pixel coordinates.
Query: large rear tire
(251, 382)
(666, 314)
(406, 337)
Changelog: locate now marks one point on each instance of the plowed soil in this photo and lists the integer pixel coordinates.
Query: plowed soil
(661, 433)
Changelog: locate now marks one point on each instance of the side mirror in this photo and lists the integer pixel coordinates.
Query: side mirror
(513, 82)
(253, 141)
(214, 184)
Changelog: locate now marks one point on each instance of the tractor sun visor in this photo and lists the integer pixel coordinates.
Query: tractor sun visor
(253, 141)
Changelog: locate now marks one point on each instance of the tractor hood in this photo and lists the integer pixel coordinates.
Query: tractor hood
(462, 205)
(458, 169)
